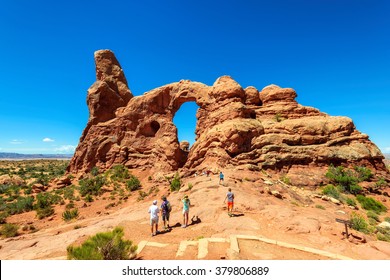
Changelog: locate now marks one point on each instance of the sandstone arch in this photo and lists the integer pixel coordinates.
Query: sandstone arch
(236, 128)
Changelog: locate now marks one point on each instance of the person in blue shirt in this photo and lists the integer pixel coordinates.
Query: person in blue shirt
(221, 176)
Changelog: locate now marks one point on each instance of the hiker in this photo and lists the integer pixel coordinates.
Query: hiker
(230, 202)
(153, 210)
(165, 211)
(186, 210)
(221, 176)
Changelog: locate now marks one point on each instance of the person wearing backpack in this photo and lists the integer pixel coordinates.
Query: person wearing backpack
(165, 211)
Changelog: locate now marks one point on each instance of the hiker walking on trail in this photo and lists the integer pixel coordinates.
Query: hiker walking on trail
(221, 176)
(230, 202)
(165, 211)
(153, 210)
(186, 210)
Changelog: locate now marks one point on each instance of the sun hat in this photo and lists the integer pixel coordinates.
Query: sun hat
(155, 202)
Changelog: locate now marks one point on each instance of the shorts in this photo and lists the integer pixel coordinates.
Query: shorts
(186, 211)
(154, 221)
(230, 204)
(165, 217)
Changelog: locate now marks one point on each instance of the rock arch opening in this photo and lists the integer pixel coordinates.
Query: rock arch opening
(185, 121)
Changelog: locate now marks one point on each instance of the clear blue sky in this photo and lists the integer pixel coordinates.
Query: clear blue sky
(334, 53)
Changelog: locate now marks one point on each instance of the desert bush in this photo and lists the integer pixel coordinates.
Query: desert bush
(119, 173)
(94, 171)
(88, 198)
(381, 183)
(341, 176)
(91, 186)
(373, 215)
(43, 206)
(363, 173)
(285, 180)
(70, 214)
(320, 207)
(141, 195)
(42, 178)
(332, 191)
(9, 230)
(104, 246)
(359, 223)
(383, 234)
(45, 212)
(175, 184)
(69, 192)
(23, 204)
(133, 183)
(70, 205)
(387, 219)
(369, 203)
(3, 217)
(350, 201)
(347, 179)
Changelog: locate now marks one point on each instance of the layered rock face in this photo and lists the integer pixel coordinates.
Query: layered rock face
(236, 128)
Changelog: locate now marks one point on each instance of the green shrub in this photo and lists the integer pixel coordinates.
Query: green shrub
(373, 215)
(3, 217)
(369, 203)
(350, 201)
(387, 219)
(141, 195)
(23, 204)
(320, 207)
(363, 173)
(332, 191)
(355, 189)
(133, 183)
(190, 186)
(94, 171)
(91, 186)
(70, 214)
(88, 198)
(119, 173)
(381, 183)
(383, 234)
(339, 175)
(69, 192)
(359, 223)
(9, 230)
(70, 205)
(45, 212)
(104, 246)
(285, 180)
(175, 183)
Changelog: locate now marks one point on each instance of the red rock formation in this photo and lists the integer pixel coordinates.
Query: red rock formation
(235, 128)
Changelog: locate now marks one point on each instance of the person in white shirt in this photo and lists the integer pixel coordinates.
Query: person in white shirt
(154, 210)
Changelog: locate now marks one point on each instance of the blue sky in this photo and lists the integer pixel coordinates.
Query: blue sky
(335, 54)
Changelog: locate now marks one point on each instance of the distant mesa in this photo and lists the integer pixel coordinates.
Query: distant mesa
(236, 128)
(34, 156)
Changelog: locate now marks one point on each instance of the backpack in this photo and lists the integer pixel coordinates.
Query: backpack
(169, 208)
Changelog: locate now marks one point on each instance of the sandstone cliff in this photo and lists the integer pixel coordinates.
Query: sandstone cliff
(236, 128)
